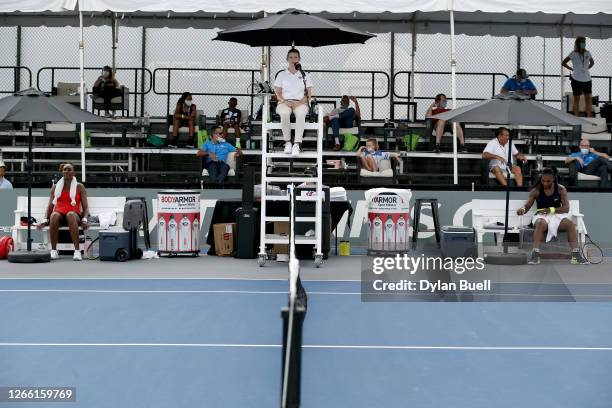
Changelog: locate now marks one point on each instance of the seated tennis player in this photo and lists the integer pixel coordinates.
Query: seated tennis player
(67, 206)
(552, 215)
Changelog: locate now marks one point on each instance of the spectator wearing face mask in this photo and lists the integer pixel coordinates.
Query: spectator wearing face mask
(107, 88)
(589, 161)
(439, 125)
(520, 84)
(231, 117)
(216, 150)
(184, 116)
(370, 156)
(582, 62)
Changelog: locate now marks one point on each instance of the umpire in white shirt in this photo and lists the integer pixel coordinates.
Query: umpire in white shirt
(496, 152)
(293, 89)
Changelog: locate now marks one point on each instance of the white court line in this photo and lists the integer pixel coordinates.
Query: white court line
(169, 278)
(167, 291)
(313, 346)
(256, 292)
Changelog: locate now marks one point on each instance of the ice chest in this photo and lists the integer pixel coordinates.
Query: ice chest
(457, 241)
(114, 245)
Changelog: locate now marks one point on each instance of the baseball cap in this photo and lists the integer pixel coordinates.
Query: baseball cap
(2, 164)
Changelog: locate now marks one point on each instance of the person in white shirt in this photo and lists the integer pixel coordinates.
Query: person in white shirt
(4, 183)
(497, 152)
(582, 62)
(293, 89)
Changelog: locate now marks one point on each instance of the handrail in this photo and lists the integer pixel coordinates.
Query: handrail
(593, 77)
(373, 87)
(167, 80)
(133, 89)
(493, 75)
(17, 77)
(168, 93)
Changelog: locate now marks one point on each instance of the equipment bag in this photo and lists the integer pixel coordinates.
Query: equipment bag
(351, 142)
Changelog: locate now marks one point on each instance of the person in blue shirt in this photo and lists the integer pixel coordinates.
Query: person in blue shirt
(520, 83)
(590, 161)
(370, 156)
(216, 152)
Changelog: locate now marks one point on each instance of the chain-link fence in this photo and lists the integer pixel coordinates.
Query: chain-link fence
(179, 60)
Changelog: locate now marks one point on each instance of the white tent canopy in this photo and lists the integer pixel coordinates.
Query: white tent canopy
(548, 18)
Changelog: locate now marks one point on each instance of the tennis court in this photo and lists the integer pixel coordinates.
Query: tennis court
(203, 341)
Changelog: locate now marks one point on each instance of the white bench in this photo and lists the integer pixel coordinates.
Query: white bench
(97, 206)
(485, 213)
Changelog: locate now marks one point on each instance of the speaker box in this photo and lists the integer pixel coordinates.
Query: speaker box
(247, 233)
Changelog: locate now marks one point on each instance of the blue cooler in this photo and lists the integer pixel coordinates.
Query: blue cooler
(458, 241)
(115, 245)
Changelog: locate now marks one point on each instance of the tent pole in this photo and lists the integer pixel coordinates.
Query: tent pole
(114, 39)
(29, 244)
(562, 73)
(454, 90)
(82, 87)
(412, 52)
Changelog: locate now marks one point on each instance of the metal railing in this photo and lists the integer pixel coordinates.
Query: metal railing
(141, 76)
(556, 89)
(493, 75)
(495, 87)
(372, 96)
(168, 92)
(17, 79)
(165, 76)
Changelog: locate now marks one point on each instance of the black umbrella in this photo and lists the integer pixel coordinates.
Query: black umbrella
(291, 26)
(511, 109)
(33, 106)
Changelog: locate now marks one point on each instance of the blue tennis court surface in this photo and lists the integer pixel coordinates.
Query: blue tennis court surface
(217, 343)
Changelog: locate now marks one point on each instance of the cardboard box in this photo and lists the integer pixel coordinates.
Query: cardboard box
(225, 236)
(281, 228)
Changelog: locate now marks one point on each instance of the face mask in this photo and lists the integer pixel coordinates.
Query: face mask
(584, 150)
(188, 102)
(583, 45)
(371, 149)
(220, 140)
(106, 74)
(442, 104)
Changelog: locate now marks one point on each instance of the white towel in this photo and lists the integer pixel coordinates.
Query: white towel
(553, 221)
(59, 187)
(107, 219)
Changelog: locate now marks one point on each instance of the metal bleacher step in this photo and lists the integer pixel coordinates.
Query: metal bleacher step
(284, 239)
(297, 219)
(307, 126)
(286, 179)
(303, 155)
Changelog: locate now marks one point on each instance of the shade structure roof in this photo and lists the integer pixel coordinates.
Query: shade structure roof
(546, 18)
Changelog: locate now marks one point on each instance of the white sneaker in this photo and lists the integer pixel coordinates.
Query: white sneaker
(296, 150)
(77, 255)
(287, 147)
(54, 254)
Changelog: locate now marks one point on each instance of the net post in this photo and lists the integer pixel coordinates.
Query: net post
(295, 357)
